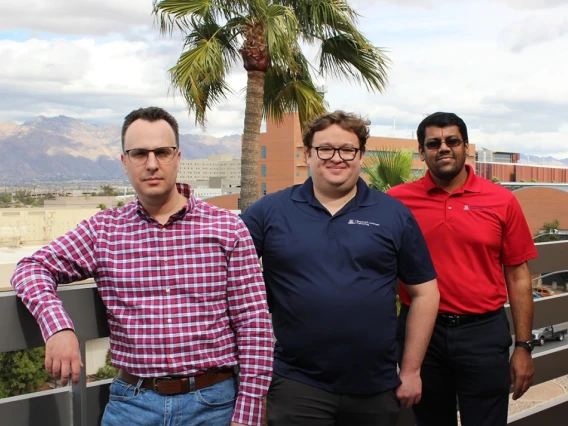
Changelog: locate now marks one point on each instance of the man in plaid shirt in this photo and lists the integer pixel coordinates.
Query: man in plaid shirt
(183, 290)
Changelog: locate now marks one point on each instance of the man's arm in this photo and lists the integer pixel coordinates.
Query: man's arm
(419, 326)
(250, 319)
(519, 287)
(67, 259)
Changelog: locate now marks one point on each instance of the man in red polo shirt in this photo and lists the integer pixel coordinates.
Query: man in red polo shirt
(480, 244)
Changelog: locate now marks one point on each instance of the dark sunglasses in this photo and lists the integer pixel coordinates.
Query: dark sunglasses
(450, 143)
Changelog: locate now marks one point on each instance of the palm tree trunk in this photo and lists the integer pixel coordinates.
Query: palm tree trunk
(251, 138)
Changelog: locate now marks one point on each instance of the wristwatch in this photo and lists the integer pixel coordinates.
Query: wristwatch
(528, 345)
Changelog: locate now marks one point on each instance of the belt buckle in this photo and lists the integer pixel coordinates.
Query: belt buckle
(159, 379)
(452, 320)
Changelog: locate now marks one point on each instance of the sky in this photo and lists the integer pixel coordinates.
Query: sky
(501, 65)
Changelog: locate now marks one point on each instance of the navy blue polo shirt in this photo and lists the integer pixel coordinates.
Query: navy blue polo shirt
(330, 284)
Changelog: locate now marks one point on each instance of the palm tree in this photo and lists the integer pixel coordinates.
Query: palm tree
(389, 167)
(266, 36)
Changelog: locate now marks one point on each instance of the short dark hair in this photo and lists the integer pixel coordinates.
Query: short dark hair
(347, 121)
(150, 114)
(441, 119)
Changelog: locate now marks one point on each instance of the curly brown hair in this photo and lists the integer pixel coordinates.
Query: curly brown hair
(347, 121)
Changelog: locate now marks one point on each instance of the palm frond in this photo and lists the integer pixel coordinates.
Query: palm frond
(281, 34)
(201, 69)
(172, 14)
(388, 167)
(354, 58)
(292, 90)
(321, 19)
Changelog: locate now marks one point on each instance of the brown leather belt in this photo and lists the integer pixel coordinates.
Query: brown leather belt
(176, 384)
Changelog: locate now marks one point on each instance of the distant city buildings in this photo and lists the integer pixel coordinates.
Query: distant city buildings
(509, 167)
(221, 165)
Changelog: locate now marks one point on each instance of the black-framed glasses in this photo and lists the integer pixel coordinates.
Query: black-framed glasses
(346, 153)
(450, 143)
(139, 156)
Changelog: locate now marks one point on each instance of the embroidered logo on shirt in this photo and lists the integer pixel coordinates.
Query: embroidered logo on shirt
(466, 207)
(362, 222)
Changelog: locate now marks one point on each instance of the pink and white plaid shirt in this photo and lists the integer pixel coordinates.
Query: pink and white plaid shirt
(181, 298)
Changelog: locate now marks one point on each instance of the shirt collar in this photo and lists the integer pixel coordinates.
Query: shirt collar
(304, 193)
(185, 190)
(472, 183)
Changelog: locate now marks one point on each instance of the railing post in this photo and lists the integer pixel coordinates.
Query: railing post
(79, 393)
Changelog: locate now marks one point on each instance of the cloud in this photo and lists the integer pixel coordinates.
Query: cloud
(535, 30)
(534, 4)
(499, 65)
(79, 17)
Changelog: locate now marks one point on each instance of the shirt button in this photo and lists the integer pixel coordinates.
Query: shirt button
(449, 208)
(172, 356)
(169, 320)
(167, 290)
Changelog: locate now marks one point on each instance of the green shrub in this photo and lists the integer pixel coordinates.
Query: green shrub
(22, 371)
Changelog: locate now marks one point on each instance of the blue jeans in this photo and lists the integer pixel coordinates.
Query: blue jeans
(132, 405)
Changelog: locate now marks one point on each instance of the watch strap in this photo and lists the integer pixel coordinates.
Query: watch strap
(527, 345)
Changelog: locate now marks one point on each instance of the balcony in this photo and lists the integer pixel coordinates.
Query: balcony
(83, 404)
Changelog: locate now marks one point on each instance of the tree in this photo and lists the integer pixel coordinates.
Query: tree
(495, 179)
(24, 197)
(102, 206)
(5, 199)
(108, 190)
(107, 371)
(389, 167)
(548, 232)
(22, 371)
(266, 35)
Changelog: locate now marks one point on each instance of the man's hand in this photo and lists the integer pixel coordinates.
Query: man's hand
(410, 391)
(522, 372)
(62, 356)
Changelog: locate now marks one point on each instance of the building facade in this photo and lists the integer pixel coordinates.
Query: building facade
(507, 167)
(221, 165)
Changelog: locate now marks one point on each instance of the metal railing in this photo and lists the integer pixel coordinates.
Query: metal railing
(83, 404)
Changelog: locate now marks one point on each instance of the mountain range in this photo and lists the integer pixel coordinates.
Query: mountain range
(62, 149)
(59, 149)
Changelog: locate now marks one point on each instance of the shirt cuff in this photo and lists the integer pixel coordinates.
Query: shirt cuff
(249, 411)
(54, 320)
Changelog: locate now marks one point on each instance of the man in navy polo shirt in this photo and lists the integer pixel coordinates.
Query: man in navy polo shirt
(480, 244)
(332, 250)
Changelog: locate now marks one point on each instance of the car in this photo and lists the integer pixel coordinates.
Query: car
(541, 335)
(545, 291)
(537, 295)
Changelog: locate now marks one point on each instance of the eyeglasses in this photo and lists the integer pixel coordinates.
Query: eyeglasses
(450, 143)
(327, 152)
(139, 156)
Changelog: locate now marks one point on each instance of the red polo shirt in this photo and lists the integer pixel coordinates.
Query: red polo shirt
(470, 233)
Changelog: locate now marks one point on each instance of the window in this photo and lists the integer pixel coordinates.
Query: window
(263, 152)
(297, 155)
(263, 170)
(262, 189)
(297, 174)
(239, 203)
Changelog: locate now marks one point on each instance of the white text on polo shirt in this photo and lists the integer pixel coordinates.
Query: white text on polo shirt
(361, 222)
